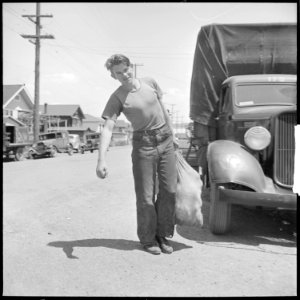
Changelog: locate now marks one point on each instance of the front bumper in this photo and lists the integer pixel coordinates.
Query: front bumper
(39, 152)
(288, 201)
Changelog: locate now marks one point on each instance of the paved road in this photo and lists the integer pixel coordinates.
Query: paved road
(68, 233)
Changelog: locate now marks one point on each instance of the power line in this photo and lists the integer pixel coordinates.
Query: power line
(14, 13)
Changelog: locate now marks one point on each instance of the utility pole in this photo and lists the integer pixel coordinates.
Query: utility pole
(134, 68)
(172, 113)
(37, 37)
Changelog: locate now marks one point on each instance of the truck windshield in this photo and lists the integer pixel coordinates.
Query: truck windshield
(265, 94)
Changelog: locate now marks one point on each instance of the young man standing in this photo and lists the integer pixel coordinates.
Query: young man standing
(152, 154)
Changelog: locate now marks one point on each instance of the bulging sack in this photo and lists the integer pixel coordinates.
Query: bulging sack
(188, 201)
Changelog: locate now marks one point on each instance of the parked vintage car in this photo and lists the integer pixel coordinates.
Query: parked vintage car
(59, 140)
(76, 143)
(92, 141)
(41, 149)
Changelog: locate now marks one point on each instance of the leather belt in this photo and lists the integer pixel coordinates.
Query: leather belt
(151, 132)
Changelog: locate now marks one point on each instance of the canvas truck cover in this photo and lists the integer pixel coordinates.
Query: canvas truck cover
(224, 50)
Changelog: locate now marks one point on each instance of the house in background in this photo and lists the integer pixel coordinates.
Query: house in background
(122, 133)
(93, 123)
(17, 106)
(60, 116)
(18, 110)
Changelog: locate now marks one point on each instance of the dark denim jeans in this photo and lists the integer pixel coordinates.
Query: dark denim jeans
(153, 157)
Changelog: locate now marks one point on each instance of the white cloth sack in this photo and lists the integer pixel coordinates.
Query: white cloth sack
(188, 201)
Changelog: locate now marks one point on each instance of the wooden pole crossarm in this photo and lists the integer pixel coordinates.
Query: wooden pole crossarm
(34, 16)
(28, 36)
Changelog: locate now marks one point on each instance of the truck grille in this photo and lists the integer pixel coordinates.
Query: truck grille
(284, 149)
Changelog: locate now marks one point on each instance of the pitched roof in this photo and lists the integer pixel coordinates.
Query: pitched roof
(61, 109)
(90, 118)
(11, 121)
(53, 128)
(10, 90)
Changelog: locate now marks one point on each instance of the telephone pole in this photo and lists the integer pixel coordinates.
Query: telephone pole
(37, 37)
(134, 68)
(172, 113)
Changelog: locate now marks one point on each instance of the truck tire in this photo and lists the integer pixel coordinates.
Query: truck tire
(220, 212)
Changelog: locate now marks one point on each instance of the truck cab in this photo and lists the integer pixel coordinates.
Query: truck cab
(251, 162)
(243, 104)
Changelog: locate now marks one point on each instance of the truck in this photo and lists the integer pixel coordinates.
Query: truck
(16, 142)
(243, 107)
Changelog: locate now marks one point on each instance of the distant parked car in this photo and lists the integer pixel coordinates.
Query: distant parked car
(40, 149)
(76, 143)
(92, 141)
(59, 140)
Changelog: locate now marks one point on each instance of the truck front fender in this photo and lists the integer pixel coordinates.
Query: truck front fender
(230, 162)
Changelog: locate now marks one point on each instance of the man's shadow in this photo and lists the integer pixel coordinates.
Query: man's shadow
(119, 244)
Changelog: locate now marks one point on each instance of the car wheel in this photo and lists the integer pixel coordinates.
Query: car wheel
(20, 154)
(30, 155)
(92, 150)
(220, 211)
(53, 152)
(55, 149)
(70, 150)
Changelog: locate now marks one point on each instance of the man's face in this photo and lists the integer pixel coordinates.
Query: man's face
(123, 73)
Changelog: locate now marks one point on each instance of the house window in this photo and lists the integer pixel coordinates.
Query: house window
(7, 112)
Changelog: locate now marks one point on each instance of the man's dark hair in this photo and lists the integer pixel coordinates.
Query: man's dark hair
(117, 59)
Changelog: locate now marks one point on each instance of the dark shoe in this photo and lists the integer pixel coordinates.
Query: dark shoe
(164, 245)
(152, 248)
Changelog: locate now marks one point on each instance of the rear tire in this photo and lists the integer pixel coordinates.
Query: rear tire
(220, 211)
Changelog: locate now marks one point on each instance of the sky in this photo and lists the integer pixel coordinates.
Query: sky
(159, 37)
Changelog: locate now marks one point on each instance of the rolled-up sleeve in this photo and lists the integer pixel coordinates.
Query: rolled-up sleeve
(112, 109)
(158, 90)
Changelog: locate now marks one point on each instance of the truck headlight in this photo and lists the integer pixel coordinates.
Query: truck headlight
(257, 138)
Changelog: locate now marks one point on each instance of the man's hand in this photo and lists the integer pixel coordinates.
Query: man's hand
(101, 170)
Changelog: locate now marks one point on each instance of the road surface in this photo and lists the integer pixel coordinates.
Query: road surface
(68, 233)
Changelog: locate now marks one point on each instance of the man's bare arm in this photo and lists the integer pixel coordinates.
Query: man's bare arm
(101, 169)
